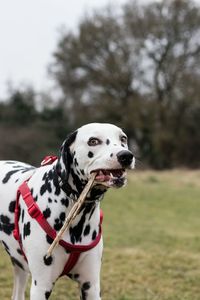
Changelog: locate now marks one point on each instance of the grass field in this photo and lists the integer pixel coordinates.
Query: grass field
(151, 239)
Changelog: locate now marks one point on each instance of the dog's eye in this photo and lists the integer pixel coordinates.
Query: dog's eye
(94, 142)
(123, 139)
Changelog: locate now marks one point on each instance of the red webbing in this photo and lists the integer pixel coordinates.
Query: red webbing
(35, 212)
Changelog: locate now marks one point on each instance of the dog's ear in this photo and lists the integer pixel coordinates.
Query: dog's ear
(65, 158)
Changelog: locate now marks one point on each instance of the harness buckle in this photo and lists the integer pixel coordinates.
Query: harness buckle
(34, 211)
(48, 160)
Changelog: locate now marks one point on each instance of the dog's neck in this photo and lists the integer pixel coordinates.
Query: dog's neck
(85, 227)
(74, 183)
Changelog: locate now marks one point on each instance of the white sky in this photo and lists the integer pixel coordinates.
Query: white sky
(29, 35)
(29, 31)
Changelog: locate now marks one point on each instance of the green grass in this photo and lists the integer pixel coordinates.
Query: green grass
(151, 241)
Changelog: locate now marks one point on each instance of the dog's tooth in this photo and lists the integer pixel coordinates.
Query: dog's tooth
(111, 175)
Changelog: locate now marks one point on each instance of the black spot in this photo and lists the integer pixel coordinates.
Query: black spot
(77, 230)
(36, 197)
(22, 215)
(47, 213)
(44, 176)
(8, 175)
(92, 211)
(45, 187)
(77, 181)
(49, 200)
(55, 201)
(72, 236)
(82, 172)
(62, 216)
(35, 282)
(54, 176)
(65, 202)
(5, 225)
(58, 225)
(90, 154)
(48, 260)
(12, 206)
(19, 168)
(49, 239)
(76, 276)
(16, 262)
(4, 219)
(122, 145)
(73, 276)
(49, 178)
(6, 247)
(94, 235)
(10, 162)
(111, 155)
(86, 230)
(85, 287)
(75, 162)
(27, 230)
(107, 142)
(19, 251)
(59, 221)
(47, 294)
(96, 193)
(24, 170)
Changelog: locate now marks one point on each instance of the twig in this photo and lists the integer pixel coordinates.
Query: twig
(72, 214)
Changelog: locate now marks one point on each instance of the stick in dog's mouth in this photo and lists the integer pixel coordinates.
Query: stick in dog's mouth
(110, 177)
(73, 213)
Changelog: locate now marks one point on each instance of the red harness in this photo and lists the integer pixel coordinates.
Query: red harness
(35, 212)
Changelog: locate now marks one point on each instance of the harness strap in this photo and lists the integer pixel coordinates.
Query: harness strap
(35, 212)
(72, 260)
(16, 232)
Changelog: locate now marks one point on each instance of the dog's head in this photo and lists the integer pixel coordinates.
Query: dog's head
(100, 148)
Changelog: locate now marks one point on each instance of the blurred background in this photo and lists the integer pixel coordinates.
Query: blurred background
(135, 64)
(132, 63)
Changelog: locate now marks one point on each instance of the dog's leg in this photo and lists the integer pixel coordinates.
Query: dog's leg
(90, 290)
(88, 273)
(41, 290)
(20, 279)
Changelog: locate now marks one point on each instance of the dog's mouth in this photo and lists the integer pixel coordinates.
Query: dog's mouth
(110, 177)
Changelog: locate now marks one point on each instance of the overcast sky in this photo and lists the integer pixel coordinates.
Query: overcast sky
(29, 34)
(29, 31)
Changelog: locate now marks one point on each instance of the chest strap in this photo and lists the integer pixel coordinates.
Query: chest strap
(35, 213)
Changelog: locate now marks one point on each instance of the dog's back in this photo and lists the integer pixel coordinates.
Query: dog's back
(12, 174)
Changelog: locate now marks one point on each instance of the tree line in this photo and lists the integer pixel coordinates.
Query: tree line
(138, 68)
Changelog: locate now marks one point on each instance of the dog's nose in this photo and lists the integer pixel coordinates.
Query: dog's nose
(125, 158)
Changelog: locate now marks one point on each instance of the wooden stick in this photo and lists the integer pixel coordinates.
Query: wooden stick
(72, 214)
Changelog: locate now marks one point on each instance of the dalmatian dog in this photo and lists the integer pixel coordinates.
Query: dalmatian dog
(95, 147)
